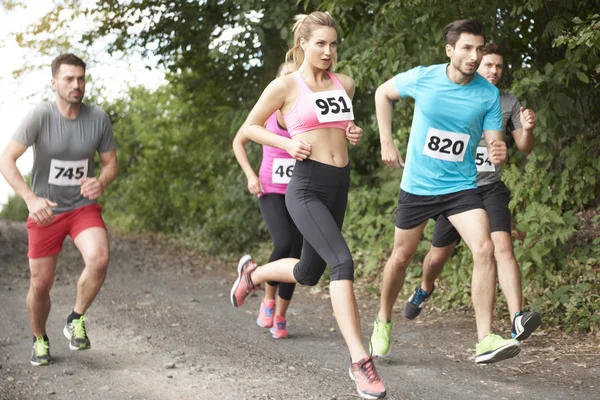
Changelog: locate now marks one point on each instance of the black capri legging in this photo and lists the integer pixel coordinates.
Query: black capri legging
(287, 240)
(316, 198)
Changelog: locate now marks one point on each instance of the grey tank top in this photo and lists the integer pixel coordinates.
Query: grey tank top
(63, 151)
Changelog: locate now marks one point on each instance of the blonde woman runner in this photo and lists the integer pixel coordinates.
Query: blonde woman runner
(317, 108)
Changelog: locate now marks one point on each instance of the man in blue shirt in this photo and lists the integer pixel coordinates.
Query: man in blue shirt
(454, 106)
(496, 197)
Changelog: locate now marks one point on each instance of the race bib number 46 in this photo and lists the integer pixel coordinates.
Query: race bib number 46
(483, 160)
(447, 146)
(67, 173)
(283, 168)
(332, 106)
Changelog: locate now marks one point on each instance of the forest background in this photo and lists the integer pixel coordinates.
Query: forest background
(179, 179)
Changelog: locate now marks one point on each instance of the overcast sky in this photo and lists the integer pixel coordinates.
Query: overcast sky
(17, 97)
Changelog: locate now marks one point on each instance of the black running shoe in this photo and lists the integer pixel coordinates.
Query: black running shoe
(415, 303)
(524, 324)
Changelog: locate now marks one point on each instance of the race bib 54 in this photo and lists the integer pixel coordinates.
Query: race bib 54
(283, 168)
(67, 173)
(332, 106)
(483, 160)
(444, 145)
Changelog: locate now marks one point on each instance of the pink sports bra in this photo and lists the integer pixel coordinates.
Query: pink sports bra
(303, 116)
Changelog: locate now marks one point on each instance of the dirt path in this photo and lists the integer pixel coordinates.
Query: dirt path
(163, 328)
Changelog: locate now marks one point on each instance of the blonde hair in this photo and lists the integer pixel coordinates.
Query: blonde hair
(303, 28)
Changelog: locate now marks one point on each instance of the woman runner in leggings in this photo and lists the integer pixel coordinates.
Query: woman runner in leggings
(270, 186)
(317, 108)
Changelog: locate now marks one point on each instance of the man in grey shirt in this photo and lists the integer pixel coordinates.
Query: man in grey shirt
(65, 136)
(496, 197)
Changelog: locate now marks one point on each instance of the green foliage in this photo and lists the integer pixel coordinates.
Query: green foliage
(15, 209)
(177, 176)
(585, 35)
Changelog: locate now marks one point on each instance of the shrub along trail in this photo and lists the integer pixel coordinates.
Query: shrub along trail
(163, 328)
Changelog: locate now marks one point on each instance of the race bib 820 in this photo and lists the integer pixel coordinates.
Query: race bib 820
(67, 173)
(444, 145)
(332, 106)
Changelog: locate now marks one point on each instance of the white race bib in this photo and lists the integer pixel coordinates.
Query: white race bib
(444, 145)
(283, 168)
(483, 160)
(67, 173)
(332, 106)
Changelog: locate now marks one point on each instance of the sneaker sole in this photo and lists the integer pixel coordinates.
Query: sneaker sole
(39, 363)
(363, 394)
(416, 312)
(68, 336)
(529, 327)
(503, 353)
(261, 325)
(243, 261)
(380, 355)
(277, 337)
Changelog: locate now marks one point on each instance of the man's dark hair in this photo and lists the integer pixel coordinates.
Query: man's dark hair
(453, 30)
(492, 48)
(69, 59)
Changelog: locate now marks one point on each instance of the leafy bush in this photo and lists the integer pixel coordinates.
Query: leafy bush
(15, 209)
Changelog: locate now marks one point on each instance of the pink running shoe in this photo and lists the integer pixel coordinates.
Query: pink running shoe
(266, 313)
(368, 382)
(279, 330)
(243, 285)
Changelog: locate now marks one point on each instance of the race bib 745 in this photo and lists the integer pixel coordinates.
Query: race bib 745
(67, 173)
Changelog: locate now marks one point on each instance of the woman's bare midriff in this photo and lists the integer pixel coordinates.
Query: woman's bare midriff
(328, 146)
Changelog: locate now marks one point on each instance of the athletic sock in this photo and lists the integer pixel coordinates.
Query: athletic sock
(45, 338)
(73, 316)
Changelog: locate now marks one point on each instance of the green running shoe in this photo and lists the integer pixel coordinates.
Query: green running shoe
(380, 340)
(494, 348)
(40, 354)
(75, 332)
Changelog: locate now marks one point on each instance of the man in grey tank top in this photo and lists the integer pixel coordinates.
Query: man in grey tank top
(65, 136)
(496, 197)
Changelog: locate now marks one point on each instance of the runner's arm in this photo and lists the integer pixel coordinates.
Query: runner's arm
(93, 187)
(271, 100)
(523, 136)
(384, 97)
(39, 208)
(110, 168)
(496, 147)
(8, 167)
(353, 131)
(239, 149)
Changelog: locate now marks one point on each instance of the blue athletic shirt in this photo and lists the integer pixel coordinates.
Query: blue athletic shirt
(448, 122)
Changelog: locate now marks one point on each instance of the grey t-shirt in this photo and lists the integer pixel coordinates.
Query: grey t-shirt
(63, 151)
(488, 173)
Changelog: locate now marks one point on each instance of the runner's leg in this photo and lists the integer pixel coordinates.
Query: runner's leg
(473, 227)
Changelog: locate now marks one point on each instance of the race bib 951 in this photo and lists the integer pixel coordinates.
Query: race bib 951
(444, 145)
(67, 173)
(332, 106)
